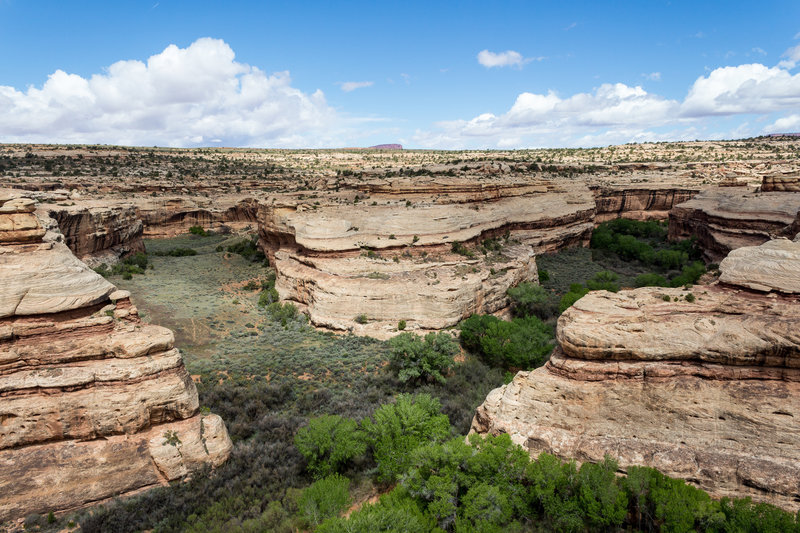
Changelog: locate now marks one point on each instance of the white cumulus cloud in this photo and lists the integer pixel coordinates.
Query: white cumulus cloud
(618, 113)
(509, 58)
(348, 86)
(180, 97)
(751, 88)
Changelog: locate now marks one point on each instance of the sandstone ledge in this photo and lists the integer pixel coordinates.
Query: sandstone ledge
(705, 390)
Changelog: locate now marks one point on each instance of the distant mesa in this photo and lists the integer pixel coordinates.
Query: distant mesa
(386, 147)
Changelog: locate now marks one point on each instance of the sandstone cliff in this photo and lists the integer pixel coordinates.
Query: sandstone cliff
(168, 217)
(93, 403)
(385, 249)
(99, 234)
(724, 219)
(643, 202)
(706, 390)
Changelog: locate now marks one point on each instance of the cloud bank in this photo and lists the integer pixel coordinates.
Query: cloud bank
(191, 96)
(619, 113)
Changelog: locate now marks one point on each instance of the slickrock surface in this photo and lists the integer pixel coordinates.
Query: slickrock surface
(724, 219)
(93, 403)
(708, 391)
(384, 248)
(773, 266)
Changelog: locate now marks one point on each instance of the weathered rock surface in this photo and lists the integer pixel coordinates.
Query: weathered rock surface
(99, 234)
(789, 182)
(93, 404)
(650, 202)
(724, 219)
(773, 266)
(384, 248)
(708, 391)
(168, 217)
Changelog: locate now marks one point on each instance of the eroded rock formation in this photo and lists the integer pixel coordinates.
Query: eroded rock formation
(384, 250)
(649, 202)
(724, 219)
(168, 217)
(99, 234)
(93, 403)
(705, 390)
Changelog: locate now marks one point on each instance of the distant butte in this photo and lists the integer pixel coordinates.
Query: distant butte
(386, 147)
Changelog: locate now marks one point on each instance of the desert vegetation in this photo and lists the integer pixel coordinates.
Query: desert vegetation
(327, 423)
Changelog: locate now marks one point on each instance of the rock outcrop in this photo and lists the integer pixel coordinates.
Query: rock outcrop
(724, 219)
(705, 388)
(168, 217)
(99, 234)
(391, 250)
(789, 182)
(93, 403)
(638, 203)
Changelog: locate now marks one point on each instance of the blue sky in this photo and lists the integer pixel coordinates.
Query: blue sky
(426, 74)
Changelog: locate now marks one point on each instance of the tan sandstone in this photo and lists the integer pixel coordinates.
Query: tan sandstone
(93, 403)
(707, 391)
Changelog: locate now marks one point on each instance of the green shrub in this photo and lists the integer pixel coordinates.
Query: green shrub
(576, 292)
(248, 248)
(689, 275)
(544, 276)
(401, 325)
(325, 498)
(650, 280)
(528, 299)
(176, 252)
(521, 343)
(361, 319)
(416, 359)
(267, 297)
(283, 313)
(604, 280)
(460, 249)
(690, 298)
(198, 230)
(395, 430)
(328, 442)
(395, 512)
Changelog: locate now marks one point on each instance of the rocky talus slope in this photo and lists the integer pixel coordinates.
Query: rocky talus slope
(726, 218)
(705, 390)
(93, 403)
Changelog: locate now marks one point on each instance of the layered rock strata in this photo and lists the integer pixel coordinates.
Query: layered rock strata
(705, 390)
(93, 403)
(646, 202)
(168, 217)
(390, 250)
(724, 219)
(99, 234)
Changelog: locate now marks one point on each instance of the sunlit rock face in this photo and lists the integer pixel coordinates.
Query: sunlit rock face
(93, 403)
(704, 389)
(726, 218)
(404, 249)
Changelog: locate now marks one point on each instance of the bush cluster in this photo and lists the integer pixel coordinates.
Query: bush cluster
(416, 359)
(522, 343)
(134, 264)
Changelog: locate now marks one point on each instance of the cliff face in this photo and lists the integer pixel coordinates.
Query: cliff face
(98, 234)
(706, 390)
(93, 403)
(164, 218)
(724, 219)
(385, 249)
(638, 203)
